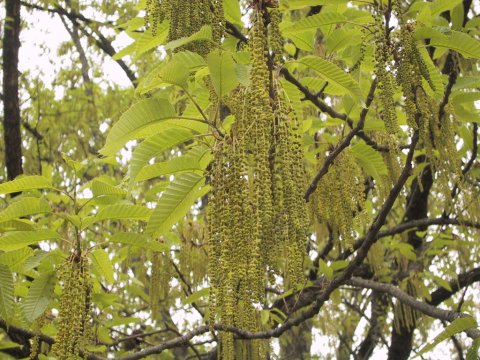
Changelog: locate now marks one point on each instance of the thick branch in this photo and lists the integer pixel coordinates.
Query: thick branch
(11, 105)
(406, 299)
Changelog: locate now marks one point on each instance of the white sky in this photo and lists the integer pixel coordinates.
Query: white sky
(39, 49)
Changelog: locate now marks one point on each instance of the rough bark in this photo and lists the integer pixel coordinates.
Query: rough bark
(11, 106)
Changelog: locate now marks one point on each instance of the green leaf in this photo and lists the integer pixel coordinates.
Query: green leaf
(139, 240)
(24, 207)
(175, 202)
(231, 9)
(7, 301)
(300, 4)
(197, 295)
(9, 345)
(222, 72)
(154, 146)
(18, 239)
(101, 262)
(460, 42)
(458, 325)
(435, 82)
(333, 74)
(139, 116)
(174, 73)
(39, 296)
(118, 212)
(370, 160)
(442, 282)
(144, 41)
(173, 166)
(472, 353)
(314, 22)
(325, 269)
(100, 188)
(440, 6)
(16, 259)
(205, 33)
(25, 183)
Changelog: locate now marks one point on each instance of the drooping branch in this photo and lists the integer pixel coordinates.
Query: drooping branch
(322, 106)
(406, 299)
(343, 144)
(465, 279)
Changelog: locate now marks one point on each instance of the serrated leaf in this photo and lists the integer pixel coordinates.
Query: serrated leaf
(222, 72)
(24, 207)
(7, 301)
(458, 325)
(460, 42)
(137, 117)
(100, 188)
(101, 262)
(197, 295)
(15, 259)
(333, 74)
(300, 4)
(19, 225)
(314, 22)
(139, 240)
(231, 9)
(370, 160)
(144, 41)
(440, 6)
(39, 296)
(205, 33)
(119, 212)
(154, 146)
(18, 239)
(25, 183)
(435, 82)
(173, 166)
(175, 202)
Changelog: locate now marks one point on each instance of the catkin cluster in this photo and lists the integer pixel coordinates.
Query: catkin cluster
(186, 18)
(256, 214)
(436, 127)
(73, 327)
(341, 196)
(383, 67)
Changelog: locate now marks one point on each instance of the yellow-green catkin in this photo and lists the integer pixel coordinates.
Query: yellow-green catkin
(73, 326)
(288, 188)
(186, 18)
(383, 72)
(159, 284)
(341, 195)
(275, 36)
(256, 214)
(35, 342)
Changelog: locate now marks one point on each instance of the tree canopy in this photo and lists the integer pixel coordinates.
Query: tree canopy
(281, 179)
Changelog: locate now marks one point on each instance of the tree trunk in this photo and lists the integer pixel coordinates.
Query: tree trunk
(11, 105)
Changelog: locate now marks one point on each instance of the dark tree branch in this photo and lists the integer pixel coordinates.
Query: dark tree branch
(343, 144)
(406, 299)
(315, 100)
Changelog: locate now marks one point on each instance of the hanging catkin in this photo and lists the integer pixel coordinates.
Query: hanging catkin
(257, 213)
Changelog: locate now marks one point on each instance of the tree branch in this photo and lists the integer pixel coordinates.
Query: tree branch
(406, 299)
(343, 144)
